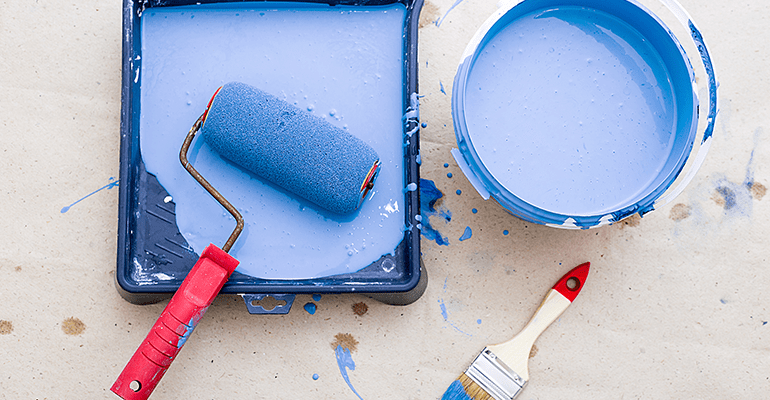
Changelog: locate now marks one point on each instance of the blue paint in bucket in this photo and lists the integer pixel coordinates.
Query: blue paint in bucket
(575, 113)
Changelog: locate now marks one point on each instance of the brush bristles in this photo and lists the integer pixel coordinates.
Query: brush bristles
(473, 390)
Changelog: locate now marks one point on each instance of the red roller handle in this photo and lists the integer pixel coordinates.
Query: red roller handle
(175, 324)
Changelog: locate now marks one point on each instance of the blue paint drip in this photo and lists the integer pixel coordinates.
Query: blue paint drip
(467, 234)
(315, 377)
(441, 85)
(429, 194)
(459, 192)
(449, 175)
(424, 125)
(439, 21)
(446, 165)
(110, 185)
(344, 360)
(505, 232)
(474, 211)
(316, 297)
(704, 55)
(455, 391)
(310, 308)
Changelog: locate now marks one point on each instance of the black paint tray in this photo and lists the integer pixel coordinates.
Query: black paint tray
(153, 257)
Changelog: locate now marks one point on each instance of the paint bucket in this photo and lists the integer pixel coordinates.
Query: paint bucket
(579, 113)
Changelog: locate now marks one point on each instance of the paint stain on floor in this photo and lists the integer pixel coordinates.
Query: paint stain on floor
(724, 197)
(346, 341)
(6, 327)
(757, 190)
(73, 326)
(632, 221)
(533, 351)
(428, 14)
(360, 308)
(680, 212)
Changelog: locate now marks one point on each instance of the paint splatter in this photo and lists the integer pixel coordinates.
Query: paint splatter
(474, 211)
(73, 326)
(441, 87)
(467, 234)
(632, 221)
(449, 175)
(345, 340)
(758, 190)
(316, 297)
(6, 327)
(315, 377)
(360, 308)
(345, 362)
(429, 196)
(310, 308)
(446, 165)
(113, 183)
(680, 212)
(459, 192)
(723, 301)
(428, 15)
(445, 313)
(478, 321)
(725, 197)
(505, 232)
(533, 351)
(438, 22)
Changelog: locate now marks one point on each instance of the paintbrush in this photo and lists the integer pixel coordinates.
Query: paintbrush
(500, 371)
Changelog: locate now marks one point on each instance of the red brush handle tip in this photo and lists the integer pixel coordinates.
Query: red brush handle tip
(570, 284)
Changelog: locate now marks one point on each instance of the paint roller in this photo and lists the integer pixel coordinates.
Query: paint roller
(282, 144)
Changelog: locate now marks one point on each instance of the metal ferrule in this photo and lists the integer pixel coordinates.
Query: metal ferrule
(496, 378)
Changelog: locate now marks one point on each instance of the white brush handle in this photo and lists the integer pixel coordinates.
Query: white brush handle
(515, 352)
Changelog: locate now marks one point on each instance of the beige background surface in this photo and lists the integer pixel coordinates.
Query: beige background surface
(676, 305)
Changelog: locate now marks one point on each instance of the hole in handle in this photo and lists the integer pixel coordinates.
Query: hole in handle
(135, 386)
(573, 284)
(268, 303)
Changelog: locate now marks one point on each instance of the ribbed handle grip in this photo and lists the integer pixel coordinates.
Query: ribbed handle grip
(175, 324)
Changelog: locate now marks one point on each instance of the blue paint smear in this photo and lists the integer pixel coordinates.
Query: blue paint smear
(113, 183)
(189, 328)
(455, 391)
(310, 308)
(429, 194)
(441, 85)
(704, 55)
(344, 360)
(439, 21)
(316, 297)
(467, 234)
(445, 313)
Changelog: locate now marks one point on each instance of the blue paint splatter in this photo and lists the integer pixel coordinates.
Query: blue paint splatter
(429, 194)
(439, 21)
(316, 297)
(113, 183)
(445, 313)
(474, 211)
(505, 232)
(723, 301)
(424, 125)
(446, 165)
(478, 321)
(315, 377)
(344, 360)
(441, 85)
(449, 175)
(459, 192)
(467, 234)
(728, 195)
(455, 391)
(310, 308)
(764, 323)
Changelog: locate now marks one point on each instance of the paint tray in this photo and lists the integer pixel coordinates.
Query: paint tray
(154, 256)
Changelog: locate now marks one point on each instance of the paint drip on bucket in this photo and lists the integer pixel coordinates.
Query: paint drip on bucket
(579, 113)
